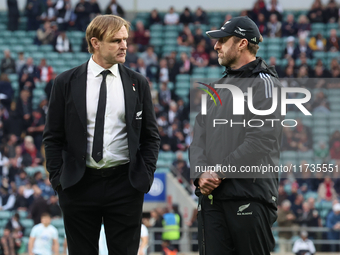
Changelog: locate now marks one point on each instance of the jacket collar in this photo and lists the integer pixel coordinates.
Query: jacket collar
(256, 66)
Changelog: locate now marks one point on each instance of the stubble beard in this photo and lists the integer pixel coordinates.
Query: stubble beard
(228, 58)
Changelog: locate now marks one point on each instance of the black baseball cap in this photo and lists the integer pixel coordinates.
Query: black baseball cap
(242, 27)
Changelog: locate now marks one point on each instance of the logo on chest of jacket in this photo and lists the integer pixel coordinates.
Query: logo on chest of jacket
(139, 115)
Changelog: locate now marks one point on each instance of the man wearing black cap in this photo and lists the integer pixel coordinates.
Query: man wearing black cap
(236, 210)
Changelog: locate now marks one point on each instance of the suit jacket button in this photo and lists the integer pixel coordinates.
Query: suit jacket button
(84, 133)
(83, 157)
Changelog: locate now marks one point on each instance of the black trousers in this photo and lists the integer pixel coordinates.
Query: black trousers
(96, 198)
(232, 227)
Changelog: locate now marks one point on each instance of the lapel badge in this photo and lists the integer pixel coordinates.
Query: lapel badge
(133, 87)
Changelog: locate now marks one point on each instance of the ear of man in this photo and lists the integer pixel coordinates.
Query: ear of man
(252, 48)
(95, 43)
(243, 44)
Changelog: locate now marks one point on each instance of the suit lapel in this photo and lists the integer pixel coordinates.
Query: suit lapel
(129, 94)
(78, 88)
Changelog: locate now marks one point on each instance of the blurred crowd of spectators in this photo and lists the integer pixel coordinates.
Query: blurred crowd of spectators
(61, 12)
(297, 209)
(21, 129)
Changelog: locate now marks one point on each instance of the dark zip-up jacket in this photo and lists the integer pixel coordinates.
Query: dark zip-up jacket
(241, 145)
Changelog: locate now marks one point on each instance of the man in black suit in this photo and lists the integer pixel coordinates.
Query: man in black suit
(101, 142)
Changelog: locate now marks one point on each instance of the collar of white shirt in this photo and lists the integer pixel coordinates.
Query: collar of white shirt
(97, 69)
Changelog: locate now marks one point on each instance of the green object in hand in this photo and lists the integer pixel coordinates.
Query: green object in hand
(211, 198)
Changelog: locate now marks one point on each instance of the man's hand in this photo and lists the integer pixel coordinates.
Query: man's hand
(208, 182)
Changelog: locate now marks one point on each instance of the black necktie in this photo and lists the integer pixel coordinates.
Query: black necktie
(97, 150)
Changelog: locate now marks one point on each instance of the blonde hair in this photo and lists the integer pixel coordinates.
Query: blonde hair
(104, 26)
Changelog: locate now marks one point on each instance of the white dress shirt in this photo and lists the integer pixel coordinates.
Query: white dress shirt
(115, 144)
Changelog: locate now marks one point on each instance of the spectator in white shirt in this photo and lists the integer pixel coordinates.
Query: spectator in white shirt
(172, 114)
(21, 61)
(303, 246)
(164, 96)
(62, 43)
(65, 15)
(144, 239)
(5, 164)
(290, 47)
(274, 26)
(171, 18)
(50, 13)
(164, 71)
(7, 200)
(44, 238)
